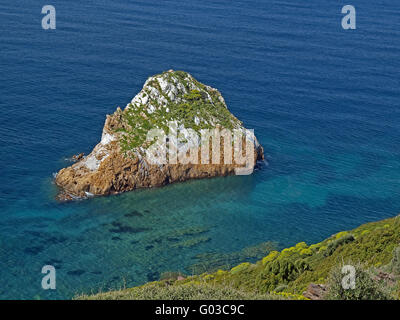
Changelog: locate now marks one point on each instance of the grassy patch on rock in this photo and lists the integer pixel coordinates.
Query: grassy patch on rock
(189, 103)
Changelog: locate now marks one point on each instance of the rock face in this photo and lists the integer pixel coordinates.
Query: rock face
(172, 102)
(315, 291)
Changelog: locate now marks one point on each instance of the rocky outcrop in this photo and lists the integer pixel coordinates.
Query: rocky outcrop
(315, 291)
(172, 102)
(77, 157)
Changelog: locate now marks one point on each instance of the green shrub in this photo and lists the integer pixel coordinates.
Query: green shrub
(280, 288)
(341, 234)
(271, 256)
(306, 252)
(301, 245)
(395, 263)
(365, 287)
(333, 245)
(241, 267)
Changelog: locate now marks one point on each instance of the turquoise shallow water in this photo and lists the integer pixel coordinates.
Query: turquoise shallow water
(324, 103)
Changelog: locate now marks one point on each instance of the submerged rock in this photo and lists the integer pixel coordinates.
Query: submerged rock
(77, 157)
(172, 102)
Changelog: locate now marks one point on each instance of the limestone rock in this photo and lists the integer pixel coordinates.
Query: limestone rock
(118, 163)
(315, 291)
(77, 157)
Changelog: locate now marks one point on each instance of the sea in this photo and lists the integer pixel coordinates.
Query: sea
(323, 101)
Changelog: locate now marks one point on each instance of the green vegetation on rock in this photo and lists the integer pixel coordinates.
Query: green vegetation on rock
(182, 99)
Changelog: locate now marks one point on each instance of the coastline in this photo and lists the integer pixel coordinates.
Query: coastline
(300, 272)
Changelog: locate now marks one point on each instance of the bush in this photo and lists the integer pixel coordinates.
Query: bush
(306, 252)
(271, 256)
(395, 264)
(301, 245)
(332, 246)
(240, 267)
(280, 288)
(341, 234)
(365, 287)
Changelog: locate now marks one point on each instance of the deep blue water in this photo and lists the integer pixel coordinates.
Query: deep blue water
(324, 103)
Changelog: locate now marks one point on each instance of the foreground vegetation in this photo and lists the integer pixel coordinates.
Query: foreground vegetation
(373, 249)
(161, 290)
